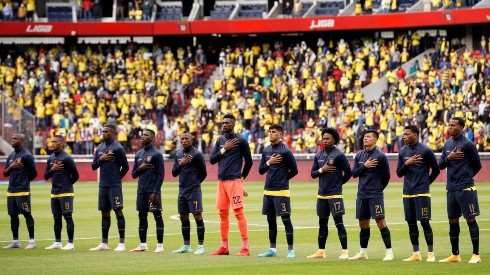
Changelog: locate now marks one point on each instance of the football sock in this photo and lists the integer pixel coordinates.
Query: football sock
(385, 234)
(429, 237)
(70, 227)
(121, 226)
(30, 225)
(413, 231)
(454, 237)
(286, 220)
(475, 236)
(143, 226)
(58, 226)
(186, 231)
(14, 226)
(323, 232)
(339, 223)
(242, 226)
(159, 225)
(364, 237)
(271, 220)
(106, 224)
(200, 231)
(224, 225)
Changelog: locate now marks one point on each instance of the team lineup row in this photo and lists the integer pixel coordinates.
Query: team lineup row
(416, 163)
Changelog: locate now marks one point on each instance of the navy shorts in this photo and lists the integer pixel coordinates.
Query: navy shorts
(190, 202)
(370, 209)
(276, 205)
(417, 208)
(18, 205)
(325, 207)
(462, 202)
(110, 198)
(143, 203)
(61, 205)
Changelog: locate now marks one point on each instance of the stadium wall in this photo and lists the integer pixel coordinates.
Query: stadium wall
(304, 168)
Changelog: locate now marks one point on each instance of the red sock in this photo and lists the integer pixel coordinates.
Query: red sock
(242, 225)
(224, 226)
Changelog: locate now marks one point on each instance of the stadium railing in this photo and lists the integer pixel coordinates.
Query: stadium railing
(15, 120)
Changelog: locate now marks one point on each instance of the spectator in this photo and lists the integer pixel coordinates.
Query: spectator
(87, 9)
(147, 9)
(287, 10)
(297, 8)
(7, 11)
(120, 9)
(22, 12)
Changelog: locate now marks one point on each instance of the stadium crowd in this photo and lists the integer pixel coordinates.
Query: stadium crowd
(305, 87)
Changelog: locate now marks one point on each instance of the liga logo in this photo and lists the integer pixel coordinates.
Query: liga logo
(322, 24)
(39, 28)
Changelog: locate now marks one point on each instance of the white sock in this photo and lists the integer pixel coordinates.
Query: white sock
(389, 250)
(273, 249)
(363, 250)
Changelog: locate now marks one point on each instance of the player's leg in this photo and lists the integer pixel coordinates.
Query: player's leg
(237, 203)
(105, 211)
(26, 211)
(197, 212)
(116, 198)
(471, 209)
(283, 208)
(378, 213)
(269, 211)
(13, 212)
(67, 211)
(186, 233)
(423, 211)
(160, 228)
(363, 214)
(142, 229)
(413, 230)
(322, 210)
(453, 213)
(337, 210)
(58, 224)
(223, 205)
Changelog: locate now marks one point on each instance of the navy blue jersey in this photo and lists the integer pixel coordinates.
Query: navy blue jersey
(331, 183)
(278, 174)
(417, 178)
(149, 181)
(193, 173)
(230, 164)
(20, 179)
(372, 181)
(460, 172)
(62, 180)
(111, 172)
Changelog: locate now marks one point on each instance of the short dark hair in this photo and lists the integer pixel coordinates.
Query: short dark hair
(59, 137)
(276, 126)
(230, 116)
(412, 128)
(110, 126)
(374, 132)
(333, 132)
(460, 120)
(151, 132)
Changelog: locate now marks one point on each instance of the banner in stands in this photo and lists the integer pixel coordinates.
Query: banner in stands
(243, 26)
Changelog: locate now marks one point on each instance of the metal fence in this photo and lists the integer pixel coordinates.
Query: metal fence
(15, 119)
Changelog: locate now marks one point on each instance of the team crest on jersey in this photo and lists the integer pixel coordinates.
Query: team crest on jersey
(148, 159)
(330, 161)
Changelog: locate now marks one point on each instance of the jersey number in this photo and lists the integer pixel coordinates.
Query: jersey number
(237, 199)
(283, 207)
(378, 209)
(196, 204)
(116, 201)
(67, 206)
(25, 206)
(336, 206)
(472, 208)
(425, 211)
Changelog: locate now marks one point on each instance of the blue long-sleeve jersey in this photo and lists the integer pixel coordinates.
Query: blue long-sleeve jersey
(460, 172)
(417, 178)
(230, 164)
(111, 172)
(279, 174)
(149, 181)
(20, 179)
(193, 173)
(331, 183)
(62, 180)
(372, 181)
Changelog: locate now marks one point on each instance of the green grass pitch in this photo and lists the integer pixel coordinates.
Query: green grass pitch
(305, 221)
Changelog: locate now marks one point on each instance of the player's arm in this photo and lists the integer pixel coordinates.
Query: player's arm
(358, 169)
(401, 168)
(176, 168)
(47, 171)
(384, 170)
(291, 161)
(6, 168)
(160, 172)
(73, 170)
(123, 162)
(201, 167)
(263, 166)
(135, 172)
(434, 168)
(345, 168)
(315, 173)
(216, 154)
(31, 167)
(474, 159)
(443, 159)
(96, 160)
(247, 156)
